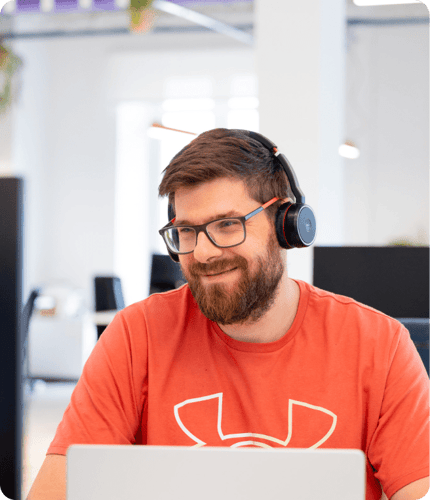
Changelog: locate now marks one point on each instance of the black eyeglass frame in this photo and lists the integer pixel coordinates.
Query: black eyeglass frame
(203, 228)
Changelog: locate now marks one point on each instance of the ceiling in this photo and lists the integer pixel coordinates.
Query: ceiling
(57, 6)
(66, 18)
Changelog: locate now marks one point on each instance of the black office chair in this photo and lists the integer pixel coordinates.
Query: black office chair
(108, 296)
(419, 331)
(165, 274)
(27, 311)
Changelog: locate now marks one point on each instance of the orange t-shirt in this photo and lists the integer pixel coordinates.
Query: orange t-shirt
(343, 376)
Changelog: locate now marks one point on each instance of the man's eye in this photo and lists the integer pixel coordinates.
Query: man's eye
(229, 224)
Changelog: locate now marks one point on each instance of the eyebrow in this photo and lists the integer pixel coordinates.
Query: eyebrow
(186, 222)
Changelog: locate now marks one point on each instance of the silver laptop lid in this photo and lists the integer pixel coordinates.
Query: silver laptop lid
(113, 472)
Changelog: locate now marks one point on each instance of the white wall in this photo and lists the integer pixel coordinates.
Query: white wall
(302, 106)
(64, 145)
(387, 115)
(64, 142)
(6, 141)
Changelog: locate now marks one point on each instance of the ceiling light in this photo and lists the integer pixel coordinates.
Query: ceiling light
(349, 150)
(85, 4)
(7, 7)
(46, 5)
(373, 3)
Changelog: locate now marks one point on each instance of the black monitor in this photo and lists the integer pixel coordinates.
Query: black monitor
(11, 414)
(394, 280)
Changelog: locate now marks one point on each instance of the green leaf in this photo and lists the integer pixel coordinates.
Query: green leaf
(140, 4)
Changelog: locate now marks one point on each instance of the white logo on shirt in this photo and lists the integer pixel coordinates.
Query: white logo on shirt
(249, 438)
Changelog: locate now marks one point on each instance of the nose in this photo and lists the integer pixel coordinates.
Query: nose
(205, 250)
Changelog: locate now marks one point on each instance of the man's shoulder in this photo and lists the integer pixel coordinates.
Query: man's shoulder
(343, 308)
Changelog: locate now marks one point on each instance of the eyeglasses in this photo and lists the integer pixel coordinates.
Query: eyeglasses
(223, 233)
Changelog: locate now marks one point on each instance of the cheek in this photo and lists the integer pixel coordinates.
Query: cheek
(185, 262)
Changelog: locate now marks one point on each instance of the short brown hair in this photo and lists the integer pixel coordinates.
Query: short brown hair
(231, 153)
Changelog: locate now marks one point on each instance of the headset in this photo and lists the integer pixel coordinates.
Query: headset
(295, 223)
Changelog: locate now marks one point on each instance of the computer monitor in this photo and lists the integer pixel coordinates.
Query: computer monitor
(394, 280)
(11, 418)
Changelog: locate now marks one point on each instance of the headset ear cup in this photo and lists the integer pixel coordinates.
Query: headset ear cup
(295, 225)
(281, 225)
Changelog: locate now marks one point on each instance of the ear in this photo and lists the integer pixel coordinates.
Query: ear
(288, 200)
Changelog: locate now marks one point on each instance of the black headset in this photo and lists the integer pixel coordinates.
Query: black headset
(295, 222)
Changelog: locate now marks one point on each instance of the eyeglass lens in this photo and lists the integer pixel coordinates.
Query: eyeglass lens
(224, 233)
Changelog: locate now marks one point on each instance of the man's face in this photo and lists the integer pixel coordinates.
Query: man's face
(230, 285)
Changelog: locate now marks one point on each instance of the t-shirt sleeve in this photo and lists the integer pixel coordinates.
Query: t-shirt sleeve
(107, 403)
(399, 449)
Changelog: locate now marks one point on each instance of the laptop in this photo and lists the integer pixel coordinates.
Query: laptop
(116, 472)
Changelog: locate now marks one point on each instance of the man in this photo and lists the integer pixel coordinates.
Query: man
(243, 355)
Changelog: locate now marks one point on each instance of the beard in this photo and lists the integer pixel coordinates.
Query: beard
(246, 300)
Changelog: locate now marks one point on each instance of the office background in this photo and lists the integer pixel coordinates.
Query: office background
(317, 75)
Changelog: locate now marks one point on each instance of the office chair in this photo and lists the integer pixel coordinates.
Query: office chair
(419, 331)
(165, 274)
(108, 296)
(27, 311)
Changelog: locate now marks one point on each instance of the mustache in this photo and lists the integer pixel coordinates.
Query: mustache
(197, 269)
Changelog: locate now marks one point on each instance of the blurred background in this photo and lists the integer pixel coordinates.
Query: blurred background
(341, 88)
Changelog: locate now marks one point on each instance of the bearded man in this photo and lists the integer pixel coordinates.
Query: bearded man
(244, 339)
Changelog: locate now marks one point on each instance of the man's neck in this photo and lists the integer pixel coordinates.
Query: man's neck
(277, 320)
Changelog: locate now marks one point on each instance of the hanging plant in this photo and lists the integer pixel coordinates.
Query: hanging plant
(142, 16)
(9, 63)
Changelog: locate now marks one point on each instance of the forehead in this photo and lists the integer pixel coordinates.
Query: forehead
(217, 198)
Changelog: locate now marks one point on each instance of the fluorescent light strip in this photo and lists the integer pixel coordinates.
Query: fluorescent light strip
(374, 3)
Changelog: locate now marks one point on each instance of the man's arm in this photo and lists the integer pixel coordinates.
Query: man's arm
(417, 489)
(413, 491)
(50, 482)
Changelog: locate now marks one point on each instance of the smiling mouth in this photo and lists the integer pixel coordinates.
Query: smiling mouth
(222, 272)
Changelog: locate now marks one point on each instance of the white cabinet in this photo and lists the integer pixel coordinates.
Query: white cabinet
(59, 347)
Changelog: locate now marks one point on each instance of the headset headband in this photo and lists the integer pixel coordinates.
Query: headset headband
(286, 165)
(295, 223)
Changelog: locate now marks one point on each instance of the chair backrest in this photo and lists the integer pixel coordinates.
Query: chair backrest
(165, 274)
(108, 293)
(27, 311)
(419, 331)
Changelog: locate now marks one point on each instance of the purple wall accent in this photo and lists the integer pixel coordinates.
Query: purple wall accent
(73, 5)
(66, 5)
(27, 6)
(104, 5)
